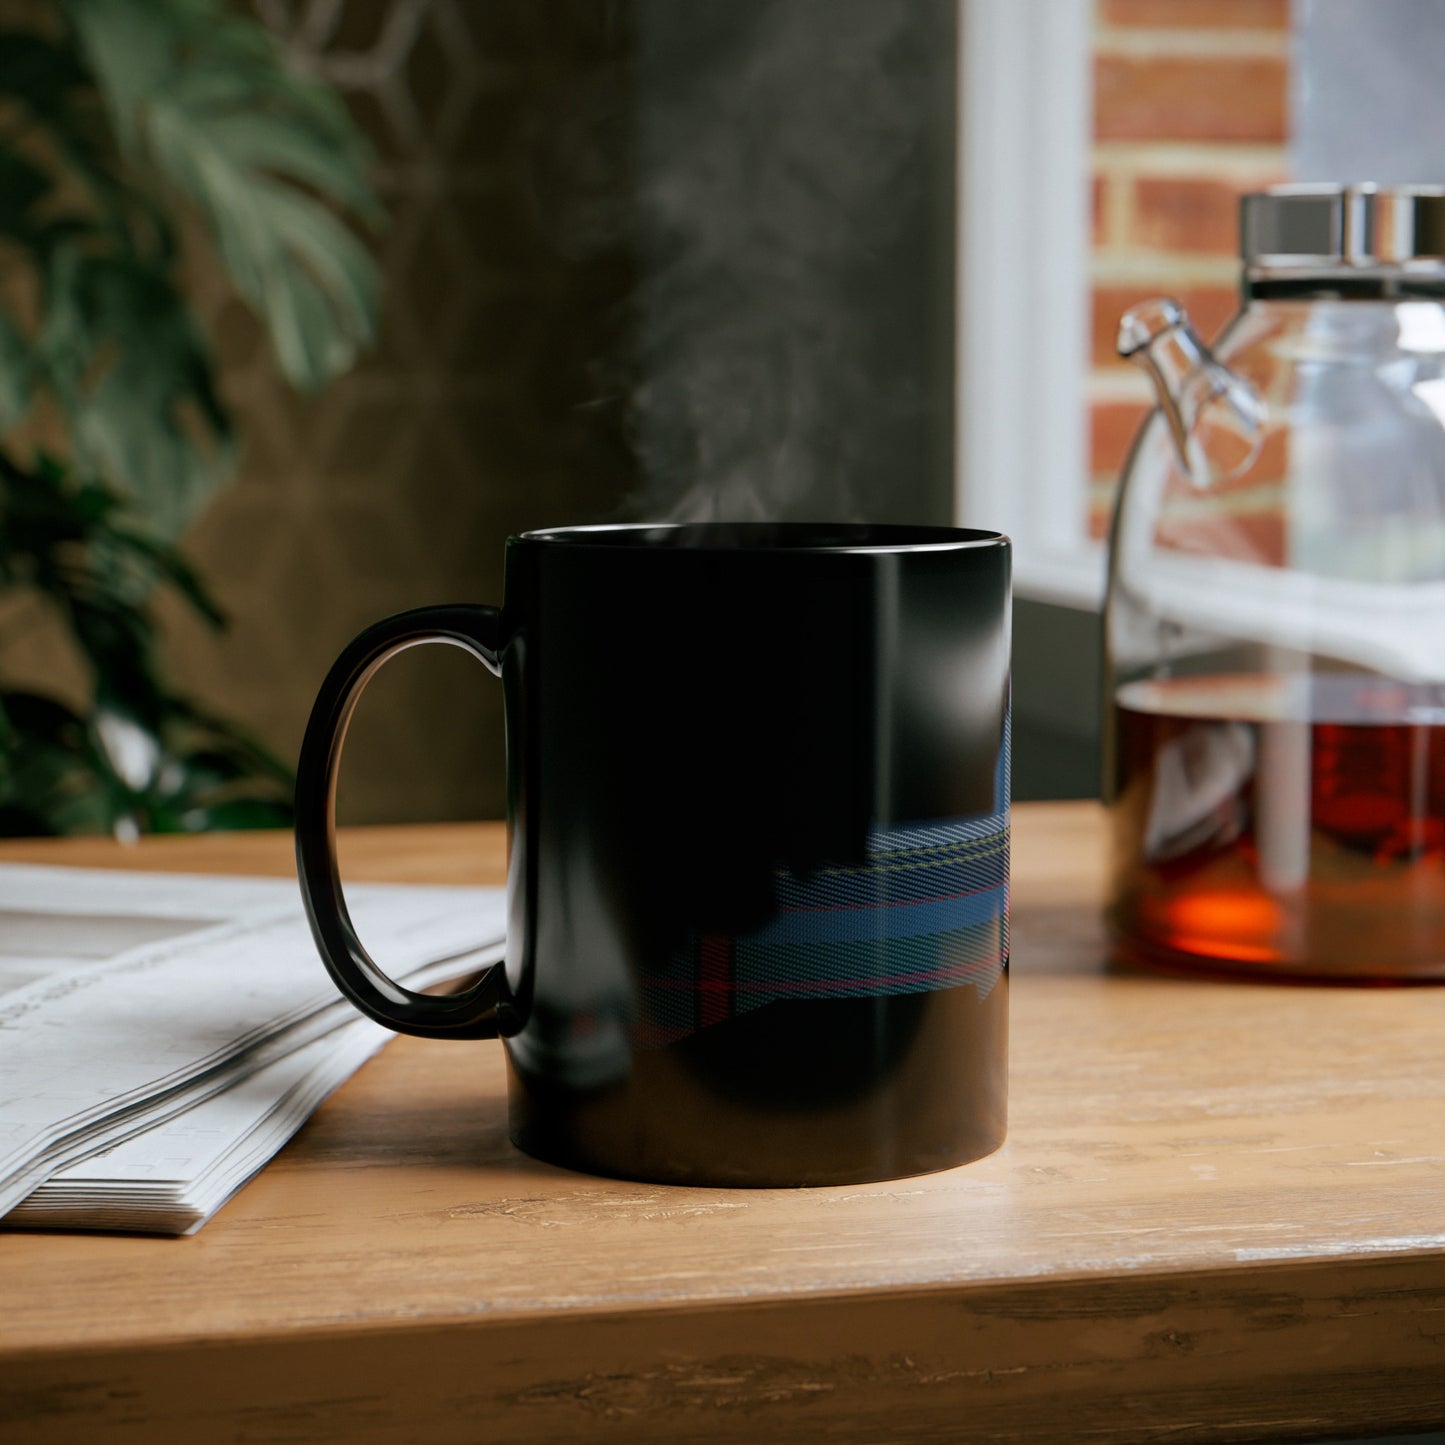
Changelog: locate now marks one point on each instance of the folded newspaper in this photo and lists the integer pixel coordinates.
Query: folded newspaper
(162, 1035)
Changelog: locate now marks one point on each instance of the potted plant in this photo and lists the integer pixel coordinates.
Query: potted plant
(121, 123)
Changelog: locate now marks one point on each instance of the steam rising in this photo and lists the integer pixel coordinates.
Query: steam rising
(778, 156)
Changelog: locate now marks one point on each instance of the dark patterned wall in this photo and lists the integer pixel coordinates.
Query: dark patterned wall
(646, 257)
(483, 411)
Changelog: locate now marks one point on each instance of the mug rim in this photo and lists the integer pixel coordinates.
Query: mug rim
(768, 537)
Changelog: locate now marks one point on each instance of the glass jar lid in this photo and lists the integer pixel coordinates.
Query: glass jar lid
(1327, 227)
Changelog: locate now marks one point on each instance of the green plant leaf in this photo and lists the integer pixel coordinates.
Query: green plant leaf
(130, 106)
(39, 74)
(168, 564)
(64, 773)
(313, 284)
(21, 186)
(15, 374)
(132, 374)
(264, 153)
(48, 780)
(129, 48)
(235, 813)
(213, 731)
(53, 90)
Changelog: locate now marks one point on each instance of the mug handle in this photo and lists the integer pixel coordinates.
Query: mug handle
(468, 1015)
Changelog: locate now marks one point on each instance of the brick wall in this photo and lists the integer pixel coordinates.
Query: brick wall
(1190, 111)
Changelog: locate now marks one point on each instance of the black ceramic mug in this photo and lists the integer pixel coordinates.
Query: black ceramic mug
(759, 837)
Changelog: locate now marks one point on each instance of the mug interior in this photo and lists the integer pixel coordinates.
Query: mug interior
(769, 536)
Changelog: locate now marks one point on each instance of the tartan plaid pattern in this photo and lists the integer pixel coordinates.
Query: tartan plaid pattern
(926, 909)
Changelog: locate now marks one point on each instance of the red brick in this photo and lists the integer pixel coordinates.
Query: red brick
(1209, 307)
(1271, 466)
(1184, 214)
(1251, 536)
(1112, 425)
(1201, 14)
(1268, 469)
(1101, 514)
(1191, 98)
(1098, 223)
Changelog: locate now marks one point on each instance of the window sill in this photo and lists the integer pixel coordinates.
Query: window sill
(1073, 578)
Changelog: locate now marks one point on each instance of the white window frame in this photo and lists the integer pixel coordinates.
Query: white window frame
(1025, 137)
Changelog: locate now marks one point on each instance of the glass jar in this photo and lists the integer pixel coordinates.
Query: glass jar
(1275, 620)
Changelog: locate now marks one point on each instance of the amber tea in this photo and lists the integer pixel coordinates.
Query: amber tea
(1290, 825)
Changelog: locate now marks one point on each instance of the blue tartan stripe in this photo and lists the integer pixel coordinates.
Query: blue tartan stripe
(868, 968)
(919, 839)
(925, 891)
(883, 917)
(970, 956)
(888, 878)
(927, 908)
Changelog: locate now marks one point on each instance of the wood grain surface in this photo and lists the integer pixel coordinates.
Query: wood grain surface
(1220, 1215)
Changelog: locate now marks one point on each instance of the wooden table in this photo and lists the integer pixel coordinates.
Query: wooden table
(1220, 1215)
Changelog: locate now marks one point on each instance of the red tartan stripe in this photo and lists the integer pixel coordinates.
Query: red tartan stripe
(714, 982)
(822, 985)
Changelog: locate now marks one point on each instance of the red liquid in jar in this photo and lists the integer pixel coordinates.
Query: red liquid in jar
(1284, 826)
